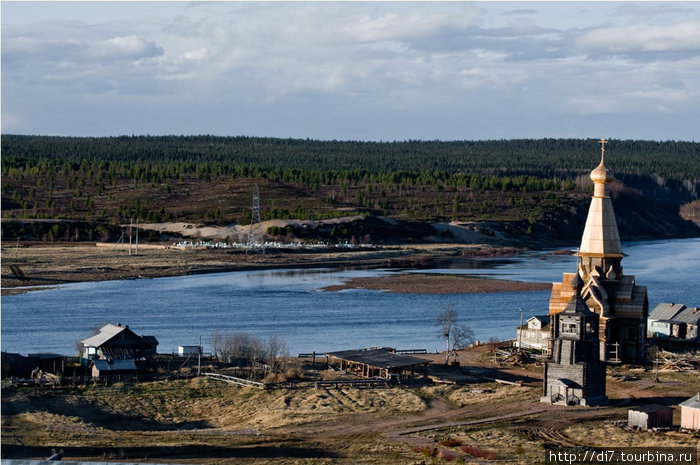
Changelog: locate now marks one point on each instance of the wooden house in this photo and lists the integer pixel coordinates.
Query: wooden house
(650, 416)
(690, 413)
(671, 320)
(377, 363)
(534, 334)
(117, 342)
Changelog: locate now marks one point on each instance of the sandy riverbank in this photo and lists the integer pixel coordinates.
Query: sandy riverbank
(424, 283)
(52, 264)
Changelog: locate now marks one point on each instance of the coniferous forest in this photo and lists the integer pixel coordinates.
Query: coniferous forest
(528, 185)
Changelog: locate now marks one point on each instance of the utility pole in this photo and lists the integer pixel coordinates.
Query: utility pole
(520, 331)
(137, 236)
(255, 231)
(131, 226)
(199, 357)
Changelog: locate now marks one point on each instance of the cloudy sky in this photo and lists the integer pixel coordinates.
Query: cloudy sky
(352, 70)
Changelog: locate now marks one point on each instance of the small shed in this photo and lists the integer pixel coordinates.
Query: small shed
(381, 362)
(185, 351)
(690, 413)
(650, 416)
(108, 369)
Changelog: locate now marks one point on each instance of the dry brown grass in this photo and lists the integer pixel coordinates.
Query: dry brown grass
(204, 421)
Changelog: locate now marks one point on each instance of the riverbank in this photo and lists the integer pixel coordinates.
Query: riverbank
(45, 264)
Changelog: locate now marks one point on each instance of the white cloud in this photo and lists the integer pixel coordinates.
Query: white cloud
(444, 60)
(125, 47)
(641, 37)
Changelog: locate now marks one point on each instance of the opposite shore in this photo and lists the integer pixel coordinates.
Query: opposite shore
(47, 265)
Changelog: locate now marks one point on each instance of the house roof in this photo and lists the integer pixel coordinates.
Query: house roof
(693, 402)
(676, 313)
(151, 340)
(544, 319)
(105, 333)
(651, 408)
(690, 315)
(665, 311)
(381, 358)
(115, 365)
(110, 331)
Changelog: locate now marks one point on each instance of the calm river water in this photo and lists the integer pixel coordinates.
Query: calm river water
(288, 303)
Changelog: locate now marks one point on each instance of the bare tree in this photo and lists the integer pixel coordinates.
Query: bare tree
(456, 336)
(276, 349)
(217, 343)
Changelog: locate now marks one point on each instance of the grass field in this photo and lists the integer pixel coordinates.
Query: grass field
(200, 421)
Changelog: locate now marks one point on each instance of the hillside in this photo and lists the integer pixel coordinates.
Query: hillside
(532, 192)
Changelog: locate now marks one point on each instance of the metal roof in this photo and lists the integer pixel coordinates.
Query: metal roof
(106, 333)
(693, 402)
(665, 311)
(380, 358)
(115, 365)
(690, 315)
(676, 313)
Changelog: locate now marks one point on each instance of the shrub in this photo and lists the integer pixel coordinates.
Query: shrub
(447, 455)
(479, 453)
(451, 442)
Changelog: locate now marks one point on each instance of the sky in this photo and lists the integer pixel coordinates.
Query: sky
(375, 71)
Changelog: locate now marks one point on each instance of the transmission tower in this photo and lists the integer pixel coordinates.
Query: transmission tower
(255, 232)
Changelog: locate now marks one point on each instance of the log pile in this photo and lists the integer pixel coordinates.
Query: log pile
(671, 362)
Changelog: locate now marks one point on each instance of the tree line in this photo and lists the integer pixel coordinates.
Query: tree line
(243, 156)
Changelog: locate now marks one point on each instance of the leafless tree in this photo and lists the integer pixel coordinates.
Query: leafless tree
(275, 350)
(456, 336)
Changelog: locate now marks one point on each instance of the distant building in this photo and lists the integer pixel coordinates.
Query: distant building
(690, 413)
(123, 369)
(116, 352)
(118, 342)
(620, 303)
(650, 416)
(534, 334)
(671, 320)
(378, 363)
(185, 351)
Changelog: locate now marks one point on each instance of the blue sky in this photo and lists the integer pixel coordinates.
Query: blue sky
(353, 70)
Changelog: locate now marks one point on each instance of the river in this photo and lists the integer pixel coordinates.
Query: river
(290, 304)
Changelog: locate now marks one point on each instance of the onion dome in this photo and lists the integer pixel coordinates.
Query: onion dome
(601, 175)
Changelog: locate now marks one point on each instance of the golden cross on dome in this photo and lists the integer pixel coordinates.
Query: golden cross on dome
(602, 147)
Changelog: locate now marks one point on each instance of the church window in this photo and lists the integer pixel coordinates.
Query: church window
(569, 328)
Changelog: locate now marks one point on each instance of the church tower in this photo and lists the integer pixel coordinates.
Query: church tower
(575, 375)
(621, 305)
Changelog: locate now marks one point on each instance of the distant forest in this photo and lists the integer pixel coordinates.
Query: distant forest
(210, 178)
(544, 158)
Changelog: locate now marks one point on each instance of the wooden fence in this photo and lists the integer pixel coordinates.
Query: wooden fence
(234, 380)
